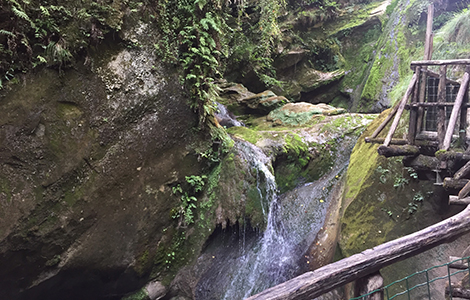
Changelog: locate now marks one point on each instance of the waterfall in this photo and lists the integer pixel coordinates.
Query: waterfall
(293, 221)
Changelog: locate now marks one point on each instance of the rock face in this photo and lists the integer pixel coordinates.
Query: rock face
(88, 158)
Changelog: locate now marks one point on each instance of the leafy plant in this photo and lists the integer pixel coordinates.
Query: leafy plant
(383, 172)
(400, 182)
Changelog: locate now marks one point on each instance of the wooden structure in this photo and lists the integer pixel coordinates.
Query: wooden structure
(436, 142)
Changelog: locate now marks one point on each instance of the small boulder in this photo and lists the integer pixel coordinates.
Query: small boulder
(264, 102)
(301, 113)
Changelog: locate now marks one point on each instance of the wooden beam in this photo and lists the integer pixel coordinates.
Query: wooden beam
(404, 150)
(455, 200)
(455, 111)
(315, 283)
(452, 184)
(440, 62)
(401, 107)
(436, 75)
(441, 113)
(458, 292)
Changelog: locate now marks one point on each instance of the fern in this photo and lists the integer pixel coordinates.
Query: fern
(6, 32)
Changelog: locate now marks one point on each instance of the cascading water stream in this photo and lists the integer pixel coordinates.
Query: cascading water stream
(293, 221)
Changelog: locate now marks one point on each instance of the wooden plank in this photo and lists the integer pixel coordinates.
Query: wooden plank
(401, 107)
(315, 283)
(458, 292)
(440, 62)
(405, 150)
(455, 200)
(455, 111)
(441, 113)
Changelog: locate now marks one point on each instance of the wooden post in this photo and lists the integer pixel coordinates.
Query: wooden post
(315, 283)
(441, 111)
(427, 56)
(401, 107)
(463, 121)
(428, 45)
(455, 111)
(414, 111)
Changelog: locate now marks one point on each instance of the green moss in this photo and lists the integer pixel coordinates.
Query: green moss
(139, 295)
(245, 133)
(363, 160)
(5, 189)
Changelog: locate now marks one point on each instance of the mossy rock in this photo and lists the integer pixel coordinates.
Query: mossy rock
(301, 113)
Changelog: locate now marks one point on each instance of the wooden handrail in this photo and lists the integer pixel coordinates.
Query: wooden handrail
(440, 62)
(315, 283)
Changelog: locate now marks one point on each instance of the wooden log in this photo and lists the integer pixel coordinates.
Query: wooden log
(452, 155)
(440, 62)
(455, 111)
(455, 200)
(403, 150)
(463, 171)
(458, 292)
(458, 263)
(401, 107)
(452, 184)
(315, 283)
(441, 113)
